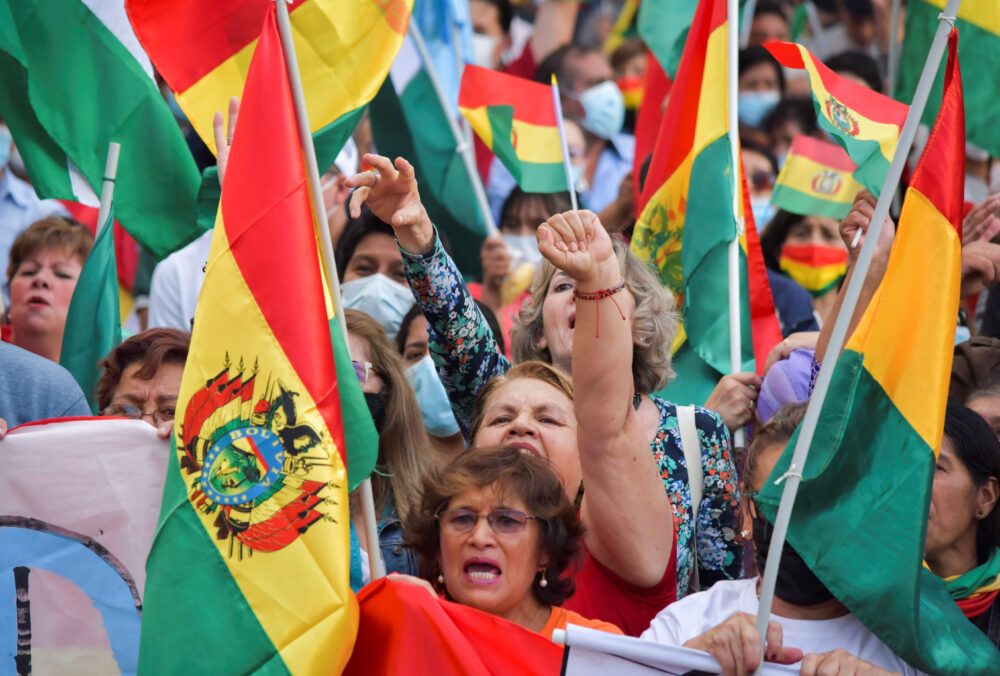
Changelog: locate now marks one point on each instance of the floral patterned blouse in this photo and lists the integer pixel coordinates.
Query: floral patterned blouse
(467, 356)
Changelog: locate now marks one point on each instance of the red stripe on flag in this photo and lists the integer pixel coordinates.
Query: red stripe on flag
(871, 104)
(268, 222)
(828, 154)
(647, 123)
(532, 101)
(765, 329)
(940, 174)
(187, 39)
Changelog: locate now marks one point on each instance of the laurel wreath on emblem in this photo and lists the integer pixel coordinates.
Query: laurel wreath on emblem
(252, 462)
(826, 182)
(841, 116)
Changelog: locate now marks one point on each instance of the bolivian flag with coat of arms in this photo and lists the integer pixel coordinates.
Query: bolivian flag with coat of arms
(249, 569)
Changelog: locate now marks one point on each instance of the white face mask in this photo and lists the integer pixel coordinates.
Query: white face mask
(380, 298)
(523, 249)
(483, 49)
(604, 109)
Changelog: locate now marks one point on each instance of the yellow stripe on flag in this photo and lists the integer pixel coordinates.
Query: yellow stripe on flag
(480, 121)
(337, 77)
(263, 578)
(713, 103)
(812, 178)
(890, 360)
(887, 135)
(537, 144)
(982, 13)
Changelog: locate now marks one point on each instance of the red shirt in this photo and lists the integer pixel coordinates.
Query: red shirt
(602, 595)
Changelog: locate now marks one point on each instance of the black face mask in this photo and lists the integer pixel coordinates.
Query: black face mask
(796, 584)
(376, 406)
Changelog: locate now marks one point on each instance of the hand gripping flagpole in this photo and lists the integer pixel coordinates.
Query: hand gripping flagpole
(108, 186)
(329, 269)
(735, 334)
(557, 102)
(794, 474)
(464, 148)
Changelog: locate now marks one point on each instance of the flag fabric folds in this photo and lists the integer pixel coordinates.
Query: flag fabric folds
(344, 50)
(93, 322)
(516, 119)
(816, 180)
(867, 481)
(864, 122)
(405, 630)
(686, 226)
(251, 557)
(409, 121)
(978, 24)
(66, 93)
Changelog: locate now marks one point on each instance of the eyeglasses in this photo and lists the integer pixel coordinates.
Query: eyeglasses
(761, 180)
(363, 369)
(160, 415)
(502, 521)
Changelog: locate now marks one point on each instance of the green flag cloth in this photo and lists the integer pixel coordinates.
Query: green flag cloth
(93, 323)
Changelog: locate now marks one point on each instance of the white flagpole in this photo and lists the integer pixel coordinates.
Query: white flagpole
(749, 9)
(464, 147)
(794, 474)
(329, 269)
(108, 185)
(735, 347)
(562, 140)
(893, 66)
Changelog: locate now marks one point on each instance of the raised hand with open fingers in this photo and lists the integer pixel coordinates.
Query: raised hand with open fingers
(576, 243)
(390, 191)
(223, 132)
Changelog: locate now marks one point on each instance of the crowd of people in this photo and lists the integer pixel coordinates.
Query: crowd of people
(540, 473)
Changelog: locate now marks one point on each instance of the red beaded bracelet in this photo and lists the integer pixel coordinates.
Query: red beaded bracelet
(598, 296)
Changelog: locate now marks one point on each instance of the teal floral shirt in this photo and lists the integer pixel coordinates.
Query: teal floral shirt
(467, 357)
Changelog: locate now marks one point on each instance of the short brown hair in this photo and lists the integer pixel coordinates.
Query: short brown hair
(538, 370)
(778, 430)
(50, 232)
(151, 348)
(515, 473)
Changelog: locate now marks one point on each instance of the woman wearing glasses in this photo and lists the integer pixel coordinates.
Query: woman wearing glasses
(496, 532)
(404, 451)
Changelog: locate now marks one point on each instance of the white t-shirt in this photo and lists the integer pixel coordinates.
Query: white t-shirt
(176, 283)
(697, 613)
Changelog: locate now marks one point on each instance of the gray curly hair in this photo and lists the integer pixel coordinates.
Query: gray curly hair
(654, 323)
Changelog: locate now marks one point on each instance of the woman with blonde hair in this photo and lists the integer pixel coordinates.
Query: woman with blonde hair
(404, 450)
(467, 358)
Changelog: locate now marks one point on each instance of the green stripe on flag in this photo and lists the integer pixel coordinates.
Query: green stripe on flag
(872, 164)
(537, 177)
(695, 380)
(709, 227)
(412, 124)
(979, 53)
(68, 87)
(866, 487)
(360, 436)
(794, 200)
(93, 322)
(194, 582)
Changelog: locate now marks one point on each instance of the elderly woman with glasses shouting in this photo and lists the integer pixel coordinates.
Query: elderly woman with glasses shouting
(497, 532)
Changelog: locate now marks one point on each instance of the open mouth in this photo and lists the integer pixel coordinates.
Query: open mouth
(572, 321)
(37, 301)
(482, 571)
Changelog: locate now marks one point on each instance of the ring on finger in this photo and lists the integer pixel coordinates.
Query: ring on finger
(376, 172)
(229, 140)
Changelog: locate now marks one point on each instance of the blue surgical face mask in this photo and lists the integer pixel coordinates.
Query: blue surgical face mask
(523, 248)
(435, 408)
(576, 174)
(755, 105)
(604, 109)
(4, 146)
(380, 298)
(762, 211)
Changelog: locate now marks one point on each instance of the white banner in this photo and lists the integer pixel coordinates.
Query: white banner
(79, 504)
(592, 652)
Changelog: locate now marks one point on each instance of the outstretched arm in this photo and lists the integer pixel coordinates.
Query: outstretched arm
(625, 509)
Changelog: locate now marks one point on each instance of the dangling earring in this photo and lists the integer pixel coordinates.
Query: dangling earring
(543, 583)
(440, 578)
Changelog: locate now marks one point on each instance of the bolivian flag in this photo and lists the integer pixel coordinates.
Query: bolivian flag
(249, 569)
(203, 50)
(516, 119)
(687, 224)
(867, 481)
(816, 180)
(864, 122)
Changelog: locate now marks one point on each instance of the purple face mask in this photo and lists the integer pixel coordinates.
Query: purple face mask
(786, 383)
